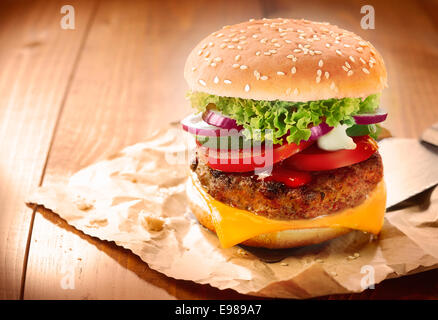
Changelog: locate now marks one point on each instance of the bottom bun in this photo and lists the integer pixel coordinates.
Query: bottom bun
(277, 240)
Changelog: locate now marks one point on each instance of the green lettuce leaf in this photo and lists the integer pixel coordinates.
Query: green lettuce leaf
(273, 120)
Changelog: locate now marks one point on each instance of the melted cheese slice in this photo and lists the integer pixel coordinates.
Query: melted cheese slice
(234, 226)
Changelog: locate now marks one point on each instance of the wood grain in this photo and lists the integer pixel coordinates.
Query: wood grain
(36, 61)
(128, 82)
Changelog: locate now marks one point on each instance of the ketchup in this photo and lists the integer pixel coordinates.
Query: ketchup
(291, 178)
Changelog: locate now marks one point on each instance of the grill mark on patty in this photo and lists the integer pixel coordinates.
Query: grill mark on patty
(327, 193)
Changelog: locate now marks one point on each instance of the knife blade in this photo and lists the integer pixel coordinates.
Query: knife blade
(410, 167)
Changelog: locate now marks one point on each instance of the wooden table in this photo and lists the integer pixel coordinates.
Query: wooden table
(71, 97)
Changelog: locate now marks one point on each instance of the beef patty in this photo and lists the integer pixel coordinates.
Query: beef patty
(328, 192)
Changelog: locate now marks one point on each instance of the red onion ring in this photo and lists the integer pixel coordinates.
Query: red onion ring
(216, 118)
(319, 130)
(371, 118)
(195, 125)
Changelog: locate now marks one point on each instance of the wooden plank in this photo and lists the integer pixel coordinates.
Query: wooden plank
(128, 83)
(36, 61)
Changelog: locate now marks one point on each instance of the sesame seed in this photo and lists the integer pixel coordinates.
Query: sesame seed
(227, 81)
(223, 45)
(333, 86)
(194, 69)
(264, 77)
(251, 20)
(231, 46)
(339, 52)
(257, 53)
(257, 74)
(326, 75)
(219, 35)
(362, 60)
(297, 50)
(318, 79)
(213, 64)
(345, 68)
(320, 63)
(346, 45)
(204, 46)
(277, 45)
(207, 54)
(317, 52)
(352, 59)
(200, 52)
(296, 91)
(237, 58)
(290, 56)
(318, 72)
(267, 53)
(288, 90)
(357, 254)
(210, 44)
(293, 70)
(202, 82)
(239, 47)
(226, 40)
(327, 45)
(273, 51)
(216, 79)
(350, 73)
(283, 34)
(263, 40)
(243, 67)
(287, 41)
(359, 49)
(280, 73)
(255, 36)
(236, 65)
(218, 59)
(366, 70)
(363, 44)
(247, 88)
(347, 64)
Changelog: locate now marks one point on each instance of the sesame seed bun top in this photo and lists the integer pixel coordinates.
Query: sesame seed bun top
(285, 59)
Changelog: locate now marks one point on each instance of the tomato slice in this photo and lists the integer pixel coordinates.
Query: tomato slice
(289, 177)
(245, 160)
(315, 159)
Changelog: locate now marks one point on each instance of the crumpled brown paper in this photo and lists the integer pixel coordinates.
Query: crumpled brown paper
(131, 196)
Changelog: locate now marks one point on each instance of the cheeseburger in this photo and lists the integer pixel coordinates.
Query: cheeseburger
(286, 116)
